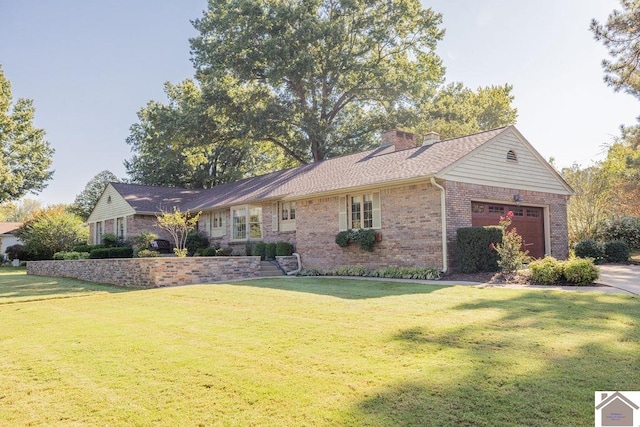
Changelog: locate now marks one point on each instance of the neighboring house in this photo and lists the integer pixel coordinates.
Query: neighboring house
(414, 197)
(7, 237)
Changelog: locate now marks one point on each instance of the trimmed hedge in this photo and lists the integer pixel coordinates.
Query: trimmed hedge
(70, 255)
(270, 251)
(589, 248)
(86, 248)
(196, 241)
(617, 251)
(117, 252)
(284, 249)
(473, 251)
(260, 249)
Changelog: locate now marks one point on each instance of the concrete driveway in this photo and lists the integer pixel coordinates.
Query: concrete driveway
(623, 277)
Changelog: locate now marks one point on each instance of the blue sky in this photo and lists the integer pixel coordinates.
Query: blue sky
(90, 66)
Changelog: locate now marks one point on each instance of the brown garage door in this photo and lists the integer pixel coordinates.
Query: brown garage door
(528, 221)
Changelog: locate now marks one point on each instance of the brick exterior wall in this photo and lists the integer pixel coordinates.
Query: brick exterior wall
(460, 195)
(411, 226)
(150, 272)
(410, 231)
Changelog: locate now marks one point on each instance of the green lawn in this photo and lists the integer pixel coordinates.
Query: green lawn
(309, 351)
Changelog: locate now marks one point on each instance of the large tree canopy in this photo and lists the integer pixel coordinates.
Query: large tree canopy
(621, 36)
(25, 155)
(319, 77)
(456, 110)
(188, 142)
(87, 199)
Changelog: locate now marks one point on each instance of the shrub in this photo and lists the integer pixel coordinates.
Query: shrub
(144, 239)
(342, 239)
(580, 271)
(147, 253)
(284, 249)
(589, 248)
(473, 251)
(15, 252)
(270, 251)
(196, 240)
(109, 240)
(121, 252)
(260, 249)
(115, 252)
(511, 258)
(366, 238)
(349, 271)
(86, 248)
(546, 271)
(99, 253)
(625, 228)
(70, 255)
(424, 273)
(210, 251)
(616, 251)
(224, 252)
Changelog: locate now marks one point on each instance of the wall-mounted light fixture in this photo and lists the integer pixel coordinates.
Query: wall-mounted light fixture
(517, 198)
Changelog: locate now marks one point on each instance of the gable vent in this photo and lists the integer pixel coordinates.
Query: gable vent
(511, 156)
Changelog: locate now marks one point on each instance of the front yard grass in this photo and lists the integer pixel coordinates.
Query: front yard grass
(309, 351)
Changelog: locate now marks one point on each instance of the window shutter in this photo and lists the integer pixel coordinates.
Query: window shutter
(224, 221)
(377, 218)
(342, 213)
(274, 216)
(207, 224)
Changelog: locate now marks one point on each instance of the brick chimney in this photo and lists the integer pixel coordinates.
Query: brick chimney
(430, 138)
(399, 139)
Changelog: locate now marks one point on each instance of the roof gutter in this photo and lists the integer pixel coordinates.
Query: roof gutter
(443, 215)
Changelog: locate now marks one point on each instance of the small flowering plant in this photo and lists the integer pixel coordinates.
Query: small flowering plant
(511, 256)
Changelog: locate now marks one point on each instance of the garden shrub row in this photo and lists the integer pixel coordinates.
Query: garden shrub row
(70, 255)
(424, 273)
(609, 251)
(473, 249)
(549, 271)
(115, 252)
(213, 251)
(271, 250)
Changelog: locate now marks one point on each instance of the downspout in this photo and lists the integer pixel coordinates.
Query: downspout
(443, 215)
(292, 272)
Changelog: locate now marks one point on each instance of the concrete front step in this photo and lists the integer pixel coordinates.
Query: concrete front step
(267, 269)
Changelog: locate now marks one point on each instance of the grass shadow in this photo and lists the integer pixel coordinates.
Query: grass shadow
(531, 359)
(343, 288)
(17, 286)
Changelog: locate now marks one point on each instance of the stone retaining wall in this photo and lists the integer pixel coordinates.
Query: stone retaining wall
(150, 272)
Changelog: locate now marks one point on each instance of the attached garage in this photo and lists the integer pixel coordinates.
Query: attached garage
(528, 221)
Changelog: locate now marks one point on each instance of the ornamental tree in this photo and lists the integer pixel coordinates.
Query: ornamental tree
(178, 224)
(512, 258)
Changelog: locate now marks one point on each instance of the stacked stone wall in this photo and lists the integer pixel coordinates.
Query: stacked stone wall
(150, 272)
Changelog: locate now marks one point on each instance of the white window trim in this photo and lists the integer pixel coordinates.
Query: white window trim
(247, 209)
(344, 212)
(287, 224)
(220, 230)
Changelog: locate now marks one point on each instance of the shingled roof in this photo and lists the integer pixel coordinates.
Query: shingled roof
(380, 165)
(9, 227)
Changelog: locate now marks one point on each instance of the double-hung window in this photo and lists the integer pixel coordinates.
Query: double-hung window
(218, 226)
(120, 228)
(246, 222)
(360, 211)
